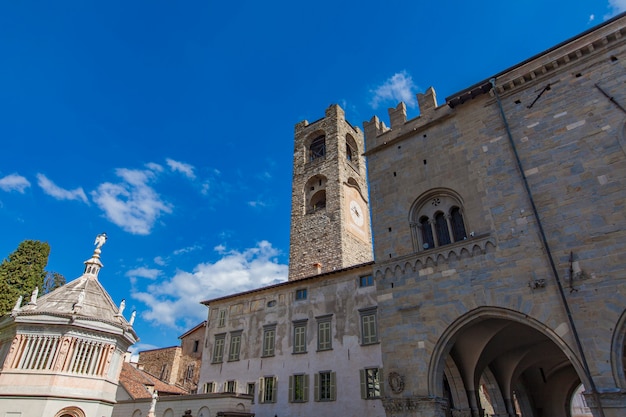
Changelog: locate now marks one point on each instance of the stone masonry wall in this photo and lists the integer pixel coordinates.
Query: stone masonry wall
(569, 137)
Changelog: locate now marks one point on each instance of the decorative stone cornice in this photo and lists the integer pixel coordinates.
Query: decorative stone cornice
(414, 404)
(471, 247)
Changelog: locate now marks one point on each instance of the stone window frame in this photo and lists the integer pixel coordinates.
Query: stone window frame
(269, 341)
(436, 219)
(352, 150)
(230, 386)
(325, 386)
(371, 380)
(234, 347)
(299, 336)
(298, 388)
(208, 387)
(221, 318)
(315, 193)
(324, 332)
(267, 396)
(369, 325)
(316, 150)
(366, 281)
(218, 348)
(301, 294)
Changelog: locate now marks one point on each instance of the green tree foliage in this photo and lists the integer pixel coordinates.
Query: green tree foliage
(53, 281)
(21, 272)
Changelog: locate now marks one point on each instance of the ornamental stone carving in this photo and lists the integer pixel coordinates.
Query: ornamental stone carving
(396, 382)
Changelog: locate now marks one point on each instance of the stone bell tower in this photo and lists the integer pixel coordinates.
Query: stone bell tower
(330, 218)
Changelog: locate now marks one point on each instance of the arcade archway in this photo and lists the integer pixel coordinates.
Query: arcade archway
(501, 363)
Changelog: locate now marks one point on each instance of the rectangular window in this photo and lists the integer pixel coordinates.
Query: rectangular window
(190, 371)
(269, 334)
(251, 389)
(369, 332)
(366, 281)
(325, 386)
(370, 383)
(221, 318)
(324, 333)
(209, 387)
(235, 346)
(230, 386)
(299, 337)
(267, 392)
(298, 388)
(196, 344)
(301, 294)
(218, 348)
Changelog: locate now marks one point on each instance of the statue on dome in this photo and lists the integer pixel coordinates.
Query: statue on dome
(100, 240)
(33, 296)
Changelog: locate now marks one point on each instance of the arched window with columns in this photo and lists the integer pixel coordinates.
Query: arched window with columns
(437, 219)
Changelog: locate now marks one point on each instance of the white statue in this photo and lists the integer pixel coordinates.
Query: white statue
(81, 298)
(122, 307)
(155, 397)
(17, 306)
(132, 318)
(100, 240)
(33, 296)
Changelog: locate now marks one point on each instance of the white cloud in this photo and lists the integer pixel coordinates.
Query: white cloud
(159, 260)
(616, 7)
(140, 347)
(592, 17)
(399, 87)
(143, 272)
(59, 193)
(257, 203)
(181, 167)
(14, 182)
(175, 302)
(187, 249)
(131, 204)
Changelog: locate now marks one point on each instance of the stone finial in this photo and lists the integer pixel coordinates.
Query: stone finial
(17, 306)
(33, 296)
(121, 308)
(427, 101)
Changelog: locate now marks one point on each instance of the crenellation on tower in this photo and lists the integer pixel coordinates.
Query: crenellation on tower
(330, 222)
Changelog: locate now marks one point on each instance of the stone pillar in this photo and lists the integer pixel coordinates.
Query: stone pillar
(613, 404)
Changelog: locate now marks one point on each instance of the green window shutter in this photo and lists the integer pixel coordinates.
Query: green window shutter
(333, 386)
(363, 383)
(306, 387)
(291, 389)
(261, 389)
(316, 387)
(274, 390)
(382, 381)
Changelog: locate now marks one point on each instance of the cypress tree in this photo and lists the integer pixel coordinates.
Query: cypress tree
(21, 272)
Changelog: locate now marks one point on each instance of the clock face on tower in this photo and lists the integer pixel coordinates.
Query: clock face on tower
(356, 213)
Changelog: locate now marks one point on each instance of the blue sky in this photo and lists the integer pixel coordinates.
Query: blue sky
(169, 125)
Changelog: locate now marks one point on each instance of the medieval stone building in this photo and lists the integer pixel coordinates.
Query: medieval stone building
(309, 345)
(499, 223)
(499, 228)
